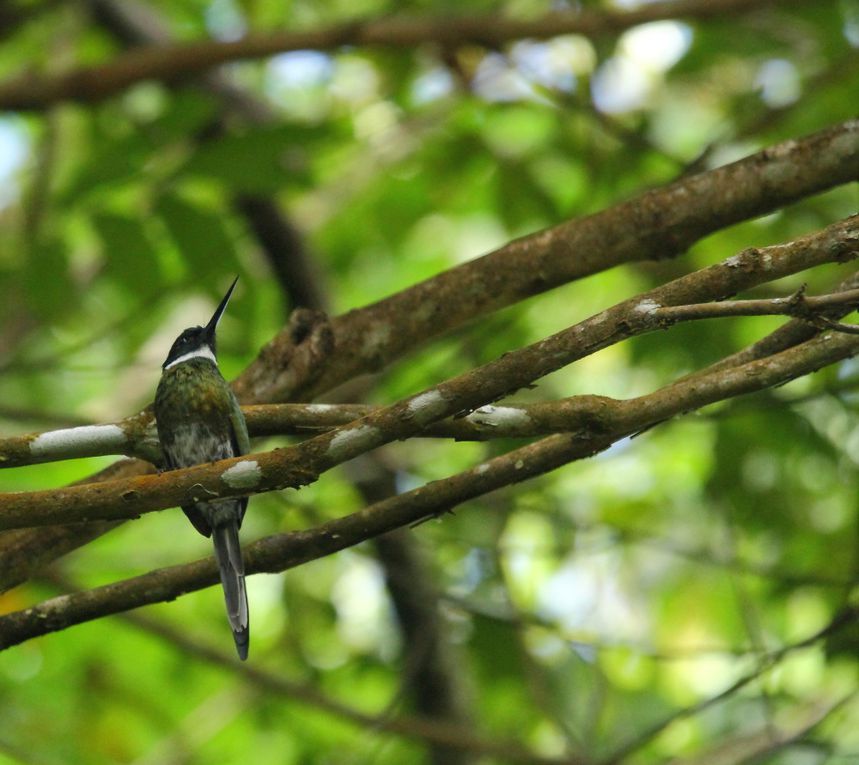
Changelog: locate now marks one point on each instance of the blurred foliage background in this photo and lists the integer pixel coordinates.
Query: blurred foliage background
(597, 610)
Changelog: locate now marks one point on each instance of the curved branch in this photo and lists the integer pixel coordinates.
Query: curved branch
(452, 736)
(171, 62)
(843, 619)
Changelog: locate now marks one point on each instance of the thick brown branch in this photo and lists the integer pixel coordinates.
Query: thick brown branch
(170, 62)
(658, 224)
(27, 550)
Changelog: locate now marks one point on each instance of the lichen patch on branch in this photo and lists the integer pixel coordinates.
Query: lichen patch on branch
(499, 416)
(426, 407)
(648, 307)
(69, 440)
(243, 475)
(352, 440)
(320, 408)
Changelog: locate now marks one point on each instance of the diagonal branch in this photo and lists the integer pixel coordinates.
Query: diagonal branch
(135, 436)
(303, 463)
(449, 735)
(280, 552)
(310, 356)
(842, 620)
(661, 223)
(798, 305)
(171, 62)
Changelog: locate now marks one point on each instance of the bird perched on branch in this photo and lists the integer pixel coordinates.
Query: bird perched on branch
(199, 420)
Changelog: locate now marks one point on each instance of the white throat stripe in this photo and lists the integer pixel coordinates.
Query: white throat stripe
(201, 353)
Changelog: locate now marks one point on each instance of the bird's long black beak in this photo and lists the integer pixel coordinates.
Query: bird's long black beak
(219, 311)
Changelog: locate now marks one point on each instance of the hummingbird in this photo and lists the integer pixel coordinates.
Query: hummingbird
(198, 421)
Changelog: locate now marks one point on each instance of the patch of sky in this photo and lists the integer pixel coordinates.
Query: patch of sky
(496, 80)
(850, 11)
(779, 82)
(545, 64)
(359, 598)
(626, 80)
(300, 69)
(432, 85)
(656, 46)
(14, 149)
(224, 20)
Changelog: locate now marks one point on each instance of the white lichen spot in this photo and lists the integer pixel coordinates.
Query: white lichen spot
(844, 145)
(733, 262)
(783, 149)
(767, 261)
(375, 338)
(350, 443)
(319, 408)
(426, 407)
(87, 439)
(519, 464)
(481, 469)
(243, 475)
(648, 307)
(490, 416)
(543, 238)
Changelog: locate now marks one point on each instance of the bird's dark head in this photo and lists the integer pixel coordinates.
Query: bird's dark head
(198, 342)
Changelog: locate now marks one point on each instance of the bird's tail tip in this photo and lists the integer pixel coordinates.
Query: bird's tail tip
(242, 638)
(229, 555)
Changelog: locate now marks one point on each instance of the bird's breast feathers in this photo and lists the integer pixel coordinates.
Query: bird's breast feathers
(192, 410)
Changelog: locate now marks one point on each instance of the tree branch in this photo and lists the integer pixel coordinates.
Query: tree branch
(843, 619)
(766, 742)
(136, 437)
(280, 552)
(658, 224)
(433, 671)
(27, 550)
(798, 305)
(170, 62)
(303, 463)
(311, 356)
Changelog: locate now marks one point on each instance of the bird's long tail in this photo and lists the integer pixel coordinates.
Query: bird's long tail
(229, 555)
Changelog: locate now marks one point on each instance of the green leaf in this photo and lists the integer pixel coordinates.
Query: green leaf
(49, 287)
(205, 245)
(129, 255)
(266, 159)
